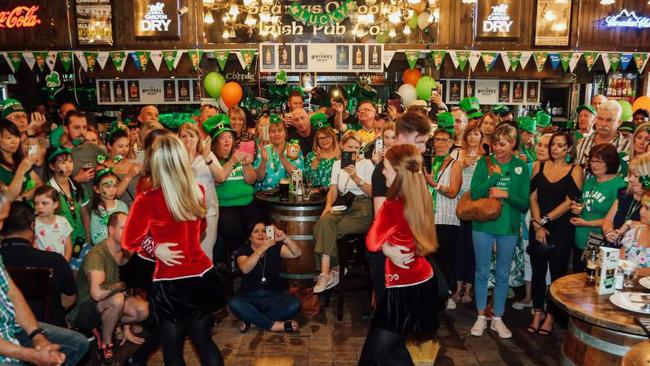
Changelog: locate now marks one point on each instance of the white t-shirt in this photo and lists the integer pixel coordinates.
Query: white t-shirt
(204, 177)
(339, 177)
(52, 238)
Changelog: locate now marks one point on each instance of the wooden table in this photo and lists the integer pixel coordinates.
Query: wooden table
(297, 218)
(599, 333)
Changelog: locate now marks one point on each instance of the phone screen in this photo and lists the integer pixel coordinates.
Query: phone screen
(270, 232)
(346, 159)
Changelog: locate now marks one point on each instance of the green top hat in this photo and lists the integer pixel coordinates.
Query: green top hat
(9, 106)
(55, 136)
(319, 121)
(543, 119)
(175, 120)
(446, 122)
(589, 108)
(500, 110)
(527, 124)
(216, 125)
(627, 126)
(471, 106)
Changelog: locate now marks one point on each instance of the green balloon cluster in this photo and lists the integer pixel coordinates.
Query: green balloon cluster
(626, 110)
(213, 84)
(424, 87)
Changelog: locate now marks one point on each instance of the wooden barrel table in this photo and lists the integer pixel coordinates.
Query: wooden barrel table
(296, 217)
(599, 333)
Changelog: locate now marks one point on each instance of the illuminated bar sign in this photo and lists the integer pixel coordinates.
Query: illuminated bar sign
(498, 19)
(157, 19)
(627, 19)
(20, 17)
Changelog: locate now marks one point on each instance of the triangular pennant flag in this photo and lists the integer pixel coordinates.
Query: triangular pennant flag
(91, 60)
(555, 60)
(489, 59)
(82, 59)
(614, 60)
(387, 57)
(438, 58)
(102, 58)
(640, 60)
(590, 59)
(195, 57)
(525, 58)
(606, 63)
(412, 58)
(506, 60)
(222, 58)
(240, 58)
(170, 59)
(540, 59)
(574, 60)
(474, 56)
(156, 59)
(626, 58)
(66, 60)
(514, 59)
(565, 59)
(463, 57)
(50, 60)
(248, 56)
(29, 59)
(454, 58)
(9, 57)
(141, 59)
(40, 58)
(119, 60)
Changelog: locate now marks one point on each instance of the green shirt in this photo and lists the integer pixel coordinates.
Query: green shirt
(99, 259)
(515, 179)
(72, 212)
(598, 198)
(7, 176)
(234, 191)
(319, 177)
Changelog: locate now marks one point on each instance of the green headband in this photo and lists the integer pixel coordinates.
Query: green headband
(100, 174)
(645, 181)
(275, 119)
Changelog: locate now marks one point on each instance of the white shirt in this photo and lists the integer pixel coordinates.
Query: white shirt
(52, 238)
(343, 181)
(204, 177)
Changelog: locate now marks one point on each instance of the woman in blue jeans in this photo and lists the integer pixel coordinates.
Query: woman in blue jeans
(506, 178)
(262, 300)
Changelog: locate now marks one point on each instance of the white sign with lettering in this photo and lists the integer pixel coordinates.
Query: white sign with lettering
(499, 20)
(155, 19)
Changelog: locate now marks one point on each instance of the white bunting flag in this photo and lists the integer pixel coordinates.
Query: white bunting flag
(156, 58)
(102, 58)
(29, 59)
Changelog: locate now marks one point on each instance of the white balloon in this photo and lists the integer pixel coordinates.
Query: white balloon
(222, 105)
(408, 94)
(423, 20)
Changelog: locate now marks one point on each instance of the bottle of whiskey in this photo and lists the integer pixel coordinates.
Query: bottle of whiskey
(267, 56)
(358, 59)
(301, 56)
(133, 90)
(119, 93)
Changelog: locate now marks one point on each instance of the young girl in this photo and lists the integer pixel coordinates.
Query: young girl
(104, 204)
(52, 232)
(73, 201)
(124, 169)
(635, 244)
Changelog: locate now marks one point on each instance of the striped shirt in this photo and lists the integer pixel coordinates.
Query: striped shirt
(8, 326)
(445, 206)
(467, 173)
(585, 144)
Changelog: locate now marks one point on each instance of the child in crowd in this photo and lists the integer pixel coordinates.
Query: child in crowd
(104, 204)
(635, 244)
(52, 231)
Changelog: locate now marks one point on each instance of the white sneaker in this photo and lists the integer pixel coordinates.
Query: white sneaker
(479, 326)
(335, 280)
(518, 305)
(451, 304)
(499, 327)
(322, 281)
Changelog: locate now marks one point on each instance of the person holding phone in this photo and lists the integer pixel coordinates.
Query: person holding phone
(262, 300)
(351, 177)
(15, 169)
(553, 184)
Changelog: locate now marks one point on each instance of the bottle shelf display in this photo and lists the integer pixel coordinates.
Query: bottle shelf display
(617, 85)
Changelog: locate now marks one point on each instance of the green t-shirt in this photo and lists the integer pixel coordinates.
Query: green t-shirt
(234, 191)
(72, 212)
(597, 199)
(98, 259)
(7, 176)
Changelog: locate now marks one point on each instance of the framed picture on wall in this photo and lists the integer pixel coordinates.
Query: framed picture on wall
(94, 21)
(553, 23)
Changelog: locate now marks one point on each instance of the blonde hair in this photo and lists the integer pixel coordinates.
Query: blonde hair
(410, 186)
(170, 171)
(642, 127)
(506, 131)
(193, 129)
(389, 126)
(327, 131)
(240, 112)
(258, 126)
(351, 135)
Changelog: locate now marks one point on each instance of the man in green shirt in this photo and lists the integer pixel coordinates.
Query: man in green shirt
(102, 298)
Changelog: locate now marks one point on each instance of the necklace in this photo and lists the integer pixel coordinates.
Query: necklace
(632, 209)
(263, 281)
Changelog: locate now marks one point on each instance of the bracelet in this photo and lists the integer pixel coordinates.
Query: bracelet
(209, 162)
(36, 332)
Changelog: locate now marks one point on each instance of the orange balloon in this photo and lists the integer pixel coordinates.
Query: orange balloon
(411, 76)
(231, 94)
(641, 103)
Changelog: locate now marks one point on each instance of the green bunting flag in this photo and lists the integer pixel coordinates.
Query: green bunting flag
(222, 58)
(614, 60)
(540, 59)
(514, 57)
(66, 60)
(195, 57)
(248, 56)
(640, 59)
(119, 59)
(489, 60)
(438, 57)
(412, 58)
(170, 59)
(590, 59)
(565, 59)
(463, 57)
(91, 60)
(16, 58)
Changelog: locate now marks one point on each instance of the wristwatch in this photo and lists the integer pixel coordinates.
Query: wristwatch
(36, 332)
(545, 220)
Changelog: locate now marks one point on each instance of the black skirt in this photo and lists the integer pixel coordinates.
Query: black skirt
(186, 298)
(409, 310)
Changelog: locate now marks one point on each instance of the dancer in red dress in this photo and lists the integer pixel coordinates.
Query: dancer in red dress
(404, 231)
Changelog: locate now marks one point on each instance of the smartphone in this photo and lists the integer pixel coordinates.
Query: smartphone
(395, 103)
(247, 147)
(379, 144)
(346, 159)
(265, 133)
(270, 232)
(33, 150)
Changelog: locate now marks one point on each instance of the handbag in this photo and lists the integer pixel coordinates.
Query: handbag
(345, 199)
(482, 209)
(309, 302)
(595, 240)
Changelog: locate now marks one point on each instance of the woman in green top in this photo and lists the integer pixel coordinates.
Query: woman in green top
(507, 181)
(15, 170)
(319, 161)
(598, 195)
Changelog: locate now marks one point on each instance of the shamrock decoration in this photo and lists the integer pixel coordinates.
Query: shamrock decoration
(53, 80)
(281, 78)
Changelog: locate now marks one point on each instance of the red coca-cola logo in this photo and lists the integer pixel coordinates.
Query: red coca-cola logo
(20, 17)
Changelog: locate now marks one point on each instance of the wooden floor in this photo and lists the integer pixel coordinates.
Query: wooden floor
(324, 341)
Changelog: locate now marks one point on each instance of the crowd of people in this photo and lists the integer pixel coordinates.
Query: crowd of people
(136, 215)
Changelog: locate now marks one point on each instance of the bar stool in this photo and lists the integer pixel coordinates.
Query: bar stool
(353, 265)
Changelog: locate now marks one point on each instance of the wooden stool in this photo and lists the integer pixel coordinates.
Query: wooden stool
(352, 253)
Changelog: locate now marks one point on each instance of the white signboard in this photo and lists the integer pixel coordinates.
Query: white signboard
(493, 91)
(321, 57)
(148, 91)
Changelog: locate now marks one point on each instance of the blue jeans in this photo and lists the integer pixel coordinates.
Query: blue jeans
(73, 344)
(483, 253)
(263, 307)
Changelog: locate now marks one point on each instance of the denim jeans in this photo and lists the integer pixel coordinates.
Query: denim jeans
(73, 344)
(483, 253)
(263, 307)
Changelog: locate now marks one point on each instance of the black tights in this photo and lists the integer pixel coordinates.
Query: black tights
(172, 338)
(385, 348)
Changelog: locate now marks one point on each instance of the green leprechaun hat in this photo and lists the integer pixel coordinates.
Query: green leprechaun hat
(216, 125)
(319, 121)
(9, 106)
(472, 107)
(500, 110)
(446, 122)
(543, 119)
(527, 124)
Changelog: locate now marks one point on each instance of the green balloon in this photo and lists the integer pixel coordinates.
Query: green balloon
(626, 110)
(424, 87)
(213, 84)
(413, 22)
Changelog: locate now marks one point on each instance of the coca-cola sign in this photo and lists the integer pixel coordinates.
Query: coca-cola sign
(20, 17)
